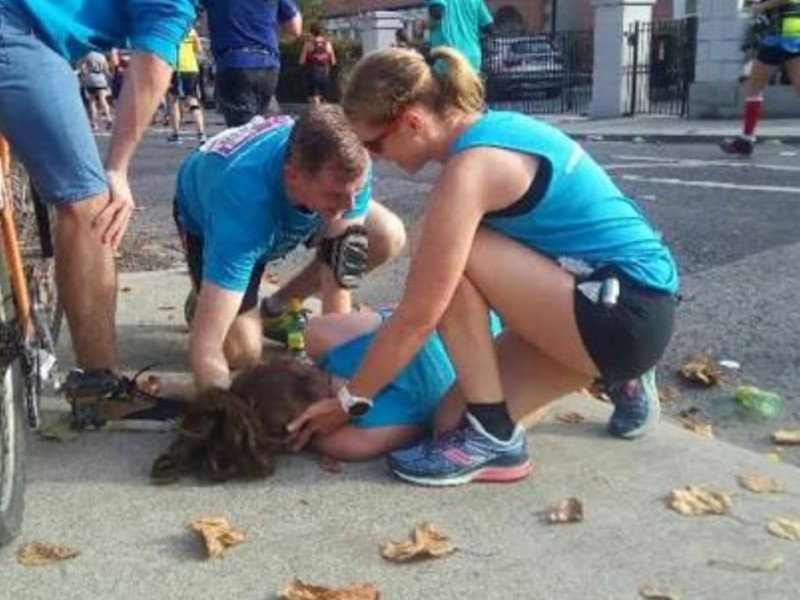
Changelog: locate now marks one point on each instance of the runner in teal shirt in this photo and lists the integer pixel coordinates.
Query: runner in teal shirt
(459, 25)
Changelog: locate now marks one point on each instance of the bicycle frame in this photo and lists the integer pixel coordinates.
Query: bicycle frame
(16, 272)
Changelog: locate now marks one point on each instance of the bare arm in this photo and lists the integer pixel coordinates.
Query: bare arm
(332, 53)
(303, 53)
(768, 5)
(216, 310)
(482, 180)
(293, 28)
(146, 80)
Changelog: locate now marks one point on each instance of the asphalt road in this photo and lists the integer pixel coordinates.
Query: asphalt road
(732, 224)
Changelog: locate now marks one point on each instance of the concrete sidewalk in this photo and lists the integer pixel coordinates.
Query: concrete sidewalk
(93, 493)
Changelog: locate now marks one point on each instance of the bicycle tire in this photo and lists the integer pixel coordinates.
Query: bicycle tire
(12, 421)
(34, 221)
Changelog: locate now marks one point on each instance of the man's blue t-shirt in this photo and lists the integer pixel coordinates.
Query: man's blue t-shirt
(75, 27)
(231, 194)
(244, 33)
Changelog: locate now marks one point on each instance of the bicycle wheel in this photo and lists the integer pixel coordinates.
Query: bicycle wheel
(12, 427)
(34, 222)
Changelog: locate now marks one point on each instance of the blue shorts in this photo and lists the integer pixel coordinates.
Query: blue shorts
(43, 117)
(412, 397)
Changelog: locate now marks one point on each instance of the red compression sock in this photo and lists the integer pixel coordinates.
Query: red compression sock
(752, 111)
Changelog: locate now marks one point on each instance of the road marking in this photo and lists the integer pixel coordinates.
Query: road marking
(713, 184)
(653, 162)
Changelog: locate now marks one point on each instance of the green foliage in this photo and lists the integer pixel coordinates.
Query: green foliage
(312, 11)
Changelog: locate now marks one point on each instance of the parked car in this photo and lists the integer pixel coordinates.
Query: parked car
(521, 67)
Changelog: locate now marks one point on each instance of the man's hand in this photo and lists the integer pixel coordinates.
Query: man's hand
(113, 219)
(322, 417)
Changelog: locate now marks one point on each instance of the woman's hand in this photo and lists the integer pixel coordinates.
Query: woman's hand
(322, 417)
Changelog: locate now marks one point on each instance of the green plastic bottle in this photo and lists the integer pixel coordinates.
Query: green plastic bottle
(759, 402)
(296, 329)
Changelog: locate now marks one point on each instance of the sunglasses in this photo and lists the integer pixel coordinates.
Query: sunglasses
(375, 145)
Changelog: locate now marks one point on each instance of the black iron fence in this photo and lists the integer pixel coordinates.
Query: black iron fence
(539, 73)
(661, 66)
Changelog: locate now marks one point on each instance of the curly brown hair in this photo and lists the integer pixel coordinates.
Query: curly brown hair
(233, 433)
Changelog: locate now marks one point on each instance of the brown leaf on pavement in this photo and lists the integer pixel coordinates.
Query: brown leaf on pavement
(773, 563)
(668, 394)
(125, 289)
(658, 592)
(166, 307)
(570, 417)
(566, 511)
(217, 534)
(698, 427)
(788, 529)
(330, 464)
(702, 370)
(789, 437)
(428, 542)
(36, 554)
(358, 590)
(695, 500)
(761, 484)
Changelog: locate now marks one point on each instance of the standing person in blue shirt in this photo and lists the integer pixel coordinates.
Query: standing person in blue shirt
(252, 194)
(246, 49)
(459, 24)
(521, 221)
(50, 133)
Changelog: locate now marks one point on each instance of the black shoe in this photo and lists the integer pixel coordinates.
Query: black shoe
(737, 146)
(99, 398)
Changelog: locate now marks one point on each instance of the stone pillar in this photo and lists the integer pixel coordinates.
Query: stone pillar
(612, 53)
(377, 29)
(721, 31)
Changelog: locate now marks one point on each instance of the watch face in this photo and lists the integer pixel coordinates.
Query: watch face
(358, 408)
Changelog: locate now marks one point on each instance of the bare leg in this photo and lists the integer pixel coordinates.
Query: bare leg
(793, 71)
(174, 109)
(387, 238)
(352, 443)
(86, 278)
(197, 114)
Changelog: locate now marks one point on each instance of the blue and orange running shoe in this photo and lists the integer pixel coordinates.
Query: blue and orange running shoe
(466, 454)
(636, 406)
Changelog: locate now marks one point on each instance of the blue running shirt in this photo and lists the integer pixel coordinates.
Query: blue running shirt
(74, 27)
(231, 194)
(582, 214)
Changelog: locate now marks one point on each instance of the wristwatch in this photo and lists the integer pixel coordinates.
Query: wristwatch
(355, 406)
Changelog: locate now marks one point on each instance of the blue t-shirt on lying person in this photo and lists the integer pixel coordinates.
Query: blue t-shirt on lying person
(72, 28)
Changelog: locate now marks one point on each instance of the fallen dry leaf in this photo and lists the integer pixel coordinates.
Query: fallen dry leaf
(330, 464)
(598, 391)
(125, 289)
(761, 484)
(428, 542)
(358, 590)
(668, 394)
(166, 308)
(658, 592)
(36, 554)
(566, 511)
(788, 529)
(217, 534)
(702, 370)
(695, 500)
(773, 563)
(570, 417)
(789, 437)
(698, 427)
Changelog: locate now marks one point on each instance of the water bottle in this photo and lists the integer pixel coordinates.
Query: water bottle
(295, 330)
(759, 402)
